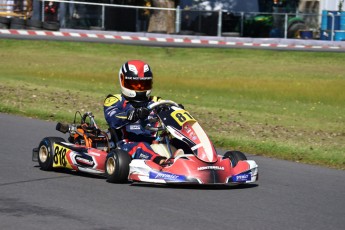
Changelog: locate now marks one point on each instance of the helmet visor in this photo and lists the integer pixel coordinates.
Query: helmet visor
(138, 83)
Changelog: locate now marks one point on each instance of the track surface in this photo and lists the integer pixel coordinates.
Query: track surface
(288, 196)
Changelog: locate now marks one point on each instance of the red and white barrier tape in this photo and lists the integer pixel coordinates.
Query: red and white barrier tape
(168, 40)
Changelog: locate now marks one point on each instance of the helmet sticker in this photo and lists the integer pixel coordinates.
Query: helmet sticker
(133, 69)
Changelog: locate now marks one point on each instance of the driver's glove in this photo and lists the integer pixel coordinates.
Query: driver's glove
(137, 113)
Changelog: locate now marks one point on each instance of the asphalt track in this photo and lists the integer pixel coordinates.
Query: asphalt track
(288, 195)
(171, 40)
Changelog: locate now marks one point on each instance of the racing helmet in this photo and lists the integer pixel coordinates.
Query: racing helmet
(135, 79)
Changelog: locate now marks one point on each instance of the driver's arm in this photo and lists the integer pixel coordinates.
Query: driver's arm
(115, 111)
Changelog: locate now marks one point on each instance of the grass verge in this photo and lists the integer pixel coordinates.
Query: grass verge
(287, 105)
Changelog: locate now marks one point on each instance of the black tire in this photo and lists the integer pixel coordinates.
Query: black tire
(5, 20)
(295, 28)
(17, 26)
(186, 32)
(235, 157)
(231, 34)
(32, 23)
(33, 28)
(117, 166)
(3, 26)
(46, 152)
(95, 28)
(54, 26)
(17, 21)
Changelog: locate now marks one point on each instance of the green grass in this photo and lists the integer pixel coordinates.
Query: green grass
(288, 105)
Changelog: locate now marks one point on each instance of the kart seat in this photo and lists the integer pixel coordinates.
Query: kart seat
(162, 149)
(178, 153)
(116, 135)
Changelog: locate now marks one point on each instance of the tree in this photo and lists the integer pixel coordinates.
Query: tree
(162, 20)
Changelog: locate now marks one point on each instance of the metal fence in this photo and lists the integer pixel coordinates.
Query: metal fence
(112, 17)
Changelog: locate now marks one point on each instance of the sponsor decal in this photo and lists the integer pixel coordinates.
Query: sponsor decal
(143, 156)
(146, 68)
(166, 176)
(134, 127)
(210, 167)
(137, 78)
(83, 161)
(242, 177)
(110, 101)
(190, 133)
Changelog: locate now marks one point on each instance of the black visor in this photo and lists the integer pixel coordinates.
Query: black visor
(138, 83)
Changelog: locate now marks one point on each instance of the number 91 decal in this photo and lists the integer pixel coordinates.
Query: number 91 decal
(182, 116)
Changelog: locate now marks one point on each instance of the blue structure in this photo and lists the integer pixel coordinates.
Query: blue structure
(342, 20)
(339, 35)
(335, 22)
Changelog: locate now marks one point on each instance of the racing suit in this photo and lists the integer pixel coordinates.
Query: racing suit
(133, 138)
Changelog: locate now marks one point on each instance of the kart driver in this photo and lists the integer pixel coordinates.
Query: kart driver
(127, 112)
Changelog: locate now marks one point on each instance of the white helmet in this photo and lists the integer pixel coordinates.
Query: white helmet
(135, 79)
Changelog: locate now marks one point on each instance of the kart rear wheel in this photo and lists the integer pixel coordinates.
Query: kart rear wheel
(117, 166)
(235, 157)
(46, 152)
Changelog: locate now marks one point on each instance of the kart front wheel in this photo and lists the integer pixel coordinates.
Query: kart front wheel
(46, 152)
(117, 166)
(235, 157)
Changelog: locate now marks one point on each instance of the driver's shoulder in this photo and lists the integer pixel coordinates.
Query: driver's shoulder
(112, 99)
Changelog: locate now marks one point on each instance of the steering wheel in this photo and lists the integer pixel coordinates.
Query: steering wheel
(159, 105)
(163, 103)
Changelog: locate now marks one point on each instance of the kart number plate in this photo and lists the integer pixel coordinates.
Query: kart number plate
(60, 157)
(182, 116)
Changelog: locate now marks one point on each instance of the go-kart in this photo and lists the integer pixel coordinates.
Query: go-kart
(191, 156)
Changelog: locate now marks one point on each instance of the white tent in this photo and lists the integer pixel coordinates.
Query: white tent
(331, 4)
(317, 6)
